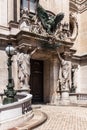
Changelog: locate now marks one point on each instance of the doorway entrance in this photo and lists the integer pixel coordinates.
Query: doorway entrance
(36, 80)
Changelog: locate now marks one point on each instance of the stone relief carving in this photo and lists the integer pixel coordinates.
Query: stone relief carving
(37, 27)
(33, 24)
(24, 22)
(62, 32)
(23, 62)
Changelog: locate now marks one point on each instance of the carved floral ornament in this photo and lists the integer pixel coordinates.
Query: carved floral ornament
(36, 24)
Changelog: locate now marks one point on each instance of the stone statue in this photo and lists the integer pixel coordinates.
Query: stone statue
(49, 22)
(63, 72)
(23, 61)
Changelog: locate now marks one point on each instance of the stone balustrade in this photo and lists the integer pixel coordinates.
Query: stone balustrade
(82, 96)
(79, 96)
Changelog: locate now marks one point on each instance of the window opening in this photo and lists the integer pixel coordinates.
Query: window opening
(29, 4)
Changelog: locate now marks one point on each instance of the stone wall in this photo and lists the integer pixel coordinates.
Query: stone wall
(3, 13)
(3, 71)
(83, 33)
(82, 78)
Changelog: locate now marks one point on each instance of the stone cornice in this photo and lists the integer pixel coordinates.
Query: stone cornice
(33, 39)
(80, 59)
(81, 4)
(13, 24)
(38, 38)
(78, 1)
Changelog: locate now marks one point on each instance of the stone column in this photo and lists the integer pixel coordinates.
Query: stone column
(18, 10)
(3, 12)
(46, 80)
(53, 81)
(15, 72)
(3, 71)
(10, 10)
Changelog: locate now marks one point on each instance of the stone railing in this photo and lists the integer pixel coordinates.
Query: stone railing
(17, 112)
(78, 98)
(81, 96)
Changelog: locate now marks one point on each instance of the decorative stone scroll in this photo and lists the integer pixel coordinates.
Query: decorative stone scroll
(73, 26)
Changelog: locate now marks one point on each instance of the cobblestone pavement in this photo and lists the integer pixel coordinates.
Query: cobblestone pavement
(64, 118)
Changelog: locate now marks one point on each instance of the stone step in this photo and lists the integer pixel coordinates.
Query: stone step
(38, 118)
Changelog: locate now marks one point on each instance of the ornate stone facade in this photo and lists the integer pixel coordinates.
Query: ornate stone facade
(26, 33)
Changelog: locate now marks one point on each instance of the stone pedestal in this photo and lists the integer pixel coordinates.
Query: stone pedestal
(65, 97)
(23, 26)
(25, 90)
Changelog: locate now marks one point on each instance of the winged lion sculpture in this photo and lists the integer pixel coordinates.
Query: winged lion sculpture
(49, 22)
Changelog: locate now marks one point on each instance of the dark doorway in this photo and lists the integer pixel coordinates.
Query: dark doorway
(36, 80)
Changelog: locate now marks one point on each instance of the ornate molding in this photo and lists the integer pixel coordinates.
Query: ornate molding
(31, 24)
(80, 59)
(34, 25)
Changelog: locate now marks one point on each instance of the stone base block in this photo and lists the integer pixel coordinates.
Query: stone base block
(65, 98)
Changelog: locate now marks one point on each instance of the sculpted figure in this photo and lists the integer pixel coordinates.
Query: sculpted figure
(37, 26)
(23, 61)
(49, 22)
(64, 72)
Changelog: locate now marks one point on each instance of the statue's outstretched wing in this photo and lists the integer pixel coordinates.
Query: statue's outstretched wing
(42, 14)
(49, 23)
(56, 21)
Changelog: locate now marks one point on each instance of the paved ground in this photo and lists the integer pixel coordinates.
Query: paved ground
(64, 118)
